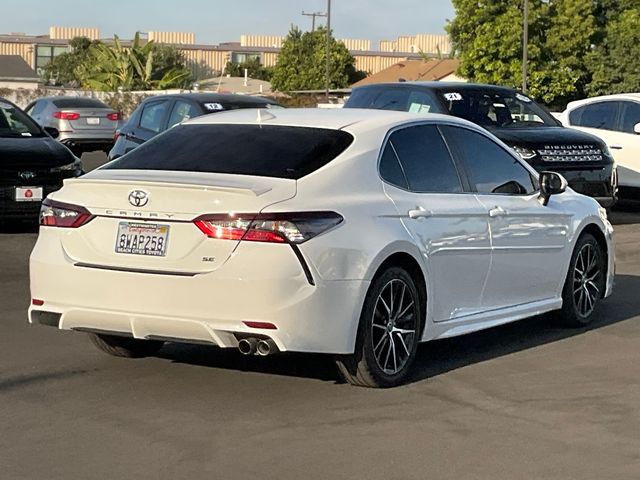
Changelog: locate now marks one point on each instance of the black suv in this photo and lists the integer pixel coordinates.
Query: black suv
(515, 119)
(159, 113)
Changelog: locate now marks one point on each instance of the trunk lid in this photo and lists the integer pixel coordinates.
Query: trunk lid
(92, 119)
(168, 202)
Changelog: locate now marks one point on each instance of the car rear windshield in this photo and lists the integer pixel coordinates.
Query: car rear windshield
(261, 150)
(79, 103)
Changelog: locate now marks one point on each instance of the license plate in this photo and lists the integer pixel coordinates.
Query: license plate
(93, 121)
(142, 239)
(28, 194)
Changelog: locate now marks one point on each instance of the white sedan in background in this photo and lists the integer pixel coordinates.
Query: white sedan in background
(615, 119)
(353, 233)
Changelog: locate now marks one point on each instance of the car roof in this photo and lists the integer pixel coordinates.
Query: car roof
(205, 97)
(602, 98)
(353, 120)
(457, 86)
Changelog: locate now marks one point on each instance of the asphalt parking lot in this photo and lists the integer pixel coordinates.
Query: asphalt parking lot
(529, 400)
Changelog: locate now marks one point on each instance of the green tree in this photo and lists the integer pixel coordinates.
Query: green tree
(487, 37)
(302, 62)
(62, 70)
(140, 66)
(255, 69)
(615, 63)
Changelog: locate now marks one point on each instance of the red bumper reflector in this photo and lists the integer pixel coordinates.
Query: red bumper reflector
(36, 302)
(263, 325)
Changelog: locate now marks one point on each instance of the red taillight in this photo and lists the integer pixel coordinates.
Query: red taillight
(113, 116)
(224, 227)
(36, 302)
(58, 214)
(66, 115)
(263, 325)
(271, 228)
(116, 135)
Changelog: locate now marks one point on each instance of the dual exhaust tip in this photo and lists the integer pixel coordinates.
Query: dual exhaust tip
(257, 346)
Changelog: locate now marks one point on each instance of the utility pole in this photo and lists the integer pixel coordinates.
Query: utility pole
(313, 16)
(328, 79)
(525, 45)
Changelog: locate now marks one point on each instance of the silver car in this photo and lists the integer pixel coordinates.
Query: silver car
(85, 124)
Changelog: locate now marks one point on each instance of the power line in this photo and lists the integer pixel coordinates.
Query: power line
(313, 16)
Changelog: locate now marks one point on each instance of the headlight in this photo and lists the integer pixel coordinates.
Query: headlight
(77, 165)
(525, 153)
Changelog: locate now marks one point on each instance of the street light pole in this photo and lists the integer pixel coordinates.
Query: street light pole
(525, 45)
(327, 73)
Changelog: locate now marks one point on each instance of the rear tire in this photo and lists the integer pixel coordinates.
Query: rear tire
(125, 346)
(585, 283)
(388, 333)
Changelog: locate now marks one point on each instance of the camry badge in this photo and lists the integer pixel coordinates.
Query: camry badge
(138, 198)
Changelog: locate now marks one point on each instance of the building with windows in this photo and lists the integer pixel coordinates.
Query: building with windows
(206, 61)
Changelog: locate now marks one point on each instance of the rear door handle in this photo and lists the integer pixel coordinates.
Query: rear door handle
(420, 212)
(497, 212)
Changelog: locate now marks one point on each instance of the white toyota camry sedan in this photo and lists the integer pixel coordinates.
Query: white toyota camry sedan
(352, 233)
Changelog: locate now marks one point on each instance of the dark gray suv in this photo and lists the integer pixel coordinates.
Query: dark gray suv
(159, 113)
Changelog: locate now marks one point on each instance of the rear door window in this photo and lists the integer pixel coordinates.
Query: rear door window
(425, 160)
(181, 112)
(390, 169)
(630, 116)
(261, 150)
(153, 116)
(602, 115)
(491, 168)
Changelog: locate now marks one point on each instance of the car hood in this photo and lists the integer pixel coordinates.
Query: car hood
(33, 152)
(544, 136)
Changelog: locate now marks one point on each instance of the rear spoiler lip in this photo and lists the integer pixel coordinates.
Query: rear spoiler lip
(256, 186)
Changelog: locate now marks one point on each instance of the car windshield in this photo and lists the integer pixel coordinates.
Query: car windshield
(496, 109)
(15, 123)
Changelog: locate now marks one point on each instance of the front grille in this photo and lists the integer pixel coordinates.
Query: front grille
(571, 153)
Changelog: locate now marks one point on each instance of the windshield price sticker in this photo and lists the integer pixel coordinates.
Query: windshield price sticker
(522, 98)
(453, 97)
(213, 106)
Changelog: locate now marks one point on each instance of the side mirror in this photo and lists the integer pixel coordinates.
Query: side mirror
(53, 132)
(636, 128)
(551, 183)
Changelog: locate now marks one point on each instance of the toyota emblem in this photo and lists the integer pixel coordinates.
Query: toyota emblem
(138, 198)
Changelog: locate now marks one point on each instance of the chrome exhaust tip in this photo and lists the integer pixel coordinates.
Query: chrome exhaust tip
(266, 347)
(248, 346)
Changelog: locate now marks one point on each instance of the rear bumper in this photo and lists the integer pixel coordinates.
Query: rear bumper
(88, 141)
(209, 307)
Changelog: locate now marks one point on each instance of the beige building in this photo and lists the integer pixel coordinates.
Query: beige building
(206, 61)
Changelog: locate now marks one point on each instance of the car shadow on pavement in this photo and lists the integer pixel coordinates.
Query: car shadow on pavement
(442, 356)
(319, 367)
(18, 227)
(434, 358)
